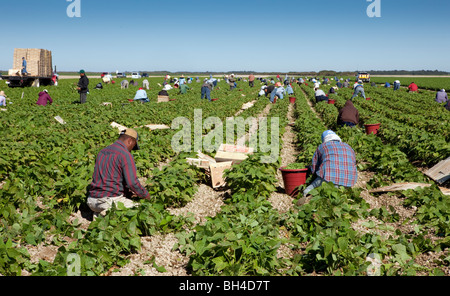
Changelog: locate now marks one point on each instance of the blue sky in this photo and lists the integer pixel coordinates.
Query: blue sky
(199, 35)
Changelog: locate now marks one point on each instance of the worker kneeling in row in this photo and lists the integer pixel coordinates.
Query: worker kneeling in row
(333, 161)
(114, 177)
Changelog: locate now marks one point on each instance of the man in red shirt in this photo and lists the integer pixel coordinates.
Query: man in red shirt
(413, 87)
(115, 176)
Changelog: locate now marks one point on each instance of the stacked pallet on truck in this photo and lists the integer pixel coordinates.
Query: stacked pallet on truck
(39, 61)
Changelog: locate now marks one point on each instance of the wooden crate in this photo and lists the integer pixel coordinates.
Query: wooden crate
(217, 169)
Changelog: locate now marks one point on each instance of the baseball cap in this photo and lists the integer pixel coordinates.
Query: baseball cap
(81, 71)
(132, 133)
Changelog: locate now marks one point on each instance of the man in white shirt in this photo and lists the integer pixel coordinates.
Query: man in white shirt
(320, 95)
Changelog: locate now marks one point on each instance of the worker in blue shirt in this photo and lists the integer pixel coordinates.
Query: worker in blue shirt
(24, 66)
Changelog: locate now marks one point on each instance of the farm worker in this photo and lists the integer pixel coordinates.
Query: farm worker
(55, 79)
(99, 86)
(141, 95)
(262, 92)
(206, 89)
(289, 89)
(2, 98)
(332, 90)
(183, 88)
(387, 85)
(232, 82)
(447, 106)
(164, 92)
(413, 87)
(396, 84)
(251, 80)
(145, 84)
(106, 79)
(279, 91)
(124, 84)
(213, 81)
(320, 95)
(182, 80)
(82, 88)
(346, 84)
(339, 84)
(24, 66)
(269, 89)
(114, 178)
(333, 161)
(348, 115)
(359, 89)
(441, 96)
(43, 98)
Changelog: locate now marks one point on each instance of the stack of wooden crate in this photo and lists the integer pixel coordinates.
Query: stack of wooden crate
(39, 61)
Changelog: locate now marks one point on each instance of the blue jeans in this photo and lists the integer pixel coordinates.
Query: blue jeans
(144, 100)
(206, 92)
(272, 95)
(350, 124)
(359, 90)
(396, 86)
(316, 183)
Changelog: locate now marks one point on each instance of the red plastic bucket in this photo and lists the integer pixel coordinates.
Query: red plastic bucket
(331, 101)
(372, 128)
(214, 99)
(292, 179)
(367, 99)
(292, 100)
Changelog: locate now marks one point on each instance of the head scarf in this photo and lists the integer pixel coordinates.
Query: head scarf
(329, 135)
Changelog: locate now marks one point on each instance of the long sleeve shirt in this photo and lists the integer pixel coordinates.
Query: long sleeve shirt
(140, 94)
(441, 97)
(335, 162)
(83, 84)
(44, 98)
(115, 173)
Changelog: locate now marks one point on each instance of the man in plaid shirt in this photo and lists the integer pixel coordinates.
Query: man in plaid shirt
(333, 161)
(114, 177)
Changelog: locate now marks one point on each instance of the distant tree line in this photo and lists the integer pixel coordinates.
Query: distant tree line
(299, 73)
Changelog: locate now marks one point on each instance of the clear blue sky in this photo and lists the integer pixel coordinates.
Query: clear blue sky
(199, 35)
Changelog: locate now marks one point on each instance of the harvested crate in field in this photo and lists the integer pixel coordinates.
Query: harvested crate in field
(234, 153)
(118, 126)
(440, 172)
(217, 169)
